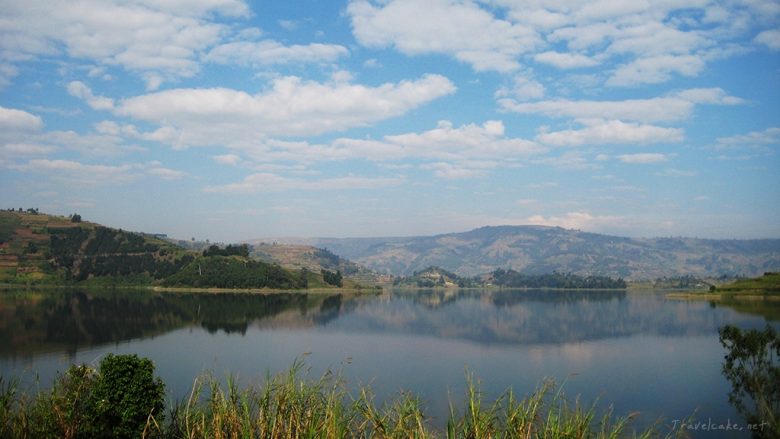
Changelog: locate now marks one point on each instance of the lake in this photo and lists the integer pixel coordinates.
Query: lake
(639, 352)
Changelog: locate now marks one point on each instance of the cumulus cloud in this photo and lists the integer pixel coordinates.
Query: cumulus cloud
(523, 88)
(291, 107)
(749, 145)
(640, 42)
(656, 69)
(578, 220)
(644, 158)
(674, 107)
(769, 38)
(76, 172)
(449, 151)
(450, 171)
(460, 29)
(13, 120)
(166, 173)
(565, 60)
(600, 132)
(269, 52)
(86, 174)
(227, 159)
(82, 91)
(267, 182)
(157, 39)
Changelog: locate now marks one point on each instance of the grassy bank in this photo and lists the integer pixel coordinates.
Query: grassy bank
(288, 405)
(769, 283)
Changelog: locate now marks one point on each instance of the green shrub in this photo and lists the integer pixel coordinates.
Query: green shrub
(127, 396)
(122, 399)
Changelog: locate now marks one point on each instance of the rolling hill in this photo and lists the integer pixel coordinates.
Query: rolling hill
(48, 249)
(540, 249)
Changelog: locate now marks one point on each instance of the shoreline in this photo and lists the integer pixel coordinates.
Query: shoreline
(161, 289)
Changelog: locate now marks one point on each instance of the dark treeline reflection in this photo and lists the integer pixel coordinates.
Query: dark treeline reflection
(67, 320)
(70, 320)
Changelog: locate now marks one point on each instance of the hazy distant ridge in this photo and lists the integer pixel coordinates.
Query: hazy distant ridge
(539, 249)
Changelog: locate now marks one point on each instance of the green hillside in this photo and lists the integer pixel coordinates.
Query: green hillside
(768, 283)
(431, 277)
(47, 249)
(315, 260)
(437, 277)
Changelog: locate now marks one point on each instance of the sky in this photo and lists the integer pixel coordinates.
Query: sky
(230, 120)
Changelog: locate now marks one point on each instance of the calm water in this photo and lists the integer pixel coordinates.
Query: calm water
(637, 351)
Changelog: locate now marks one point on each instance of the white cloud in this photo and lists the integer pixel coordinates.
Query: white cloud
(76, 172)
(524, 88)
(671, 172)
(656, 69)
(166, 173)
(770, 38)
(160, 39)
(451, 171)
(712, 96)
(652, 41)
(599, 132)
(565, 60)
(756, 140)
(13, 120)
(82, 91)
(461, 29)
(674, 107)
(291, 107)
(266, 182)
(227, 159)
(466, 142)
(578, 220)
(644, 158)
(454, 150)
(269, 52)
(567, 160)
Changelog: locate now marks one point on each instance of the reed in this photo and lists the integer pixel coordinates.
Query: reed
(293, 405)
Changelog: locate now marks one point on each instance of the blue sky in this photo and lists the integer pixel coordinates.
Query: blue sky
(232, 120)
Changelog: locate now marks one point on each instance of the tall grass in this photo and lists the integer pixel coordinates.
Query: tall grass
(293, 405)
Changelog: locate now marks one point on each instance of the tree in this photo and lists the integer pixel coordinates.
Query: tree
(76, 218)
(752, 365)
(127, 394)
(332, 278)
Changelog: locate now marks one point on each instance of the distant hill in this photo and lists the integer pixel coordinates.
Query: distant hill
(431, 277)
(540, 250)
(300, 256)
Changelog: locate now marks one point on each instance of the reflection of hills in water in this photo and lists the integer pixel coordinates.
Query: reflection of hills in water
(69, 320)
(534, 317)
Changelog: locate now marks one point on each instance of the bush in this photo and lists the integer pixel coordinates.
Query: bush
(127, 395)
(119, 400)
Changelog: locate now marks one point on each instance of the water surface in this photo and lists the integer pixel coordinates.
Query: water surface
(640, 352)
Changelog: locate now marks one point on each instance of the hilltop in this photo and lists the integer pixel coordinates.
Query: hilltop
(48, 249)
(300, 256)
(541, 250)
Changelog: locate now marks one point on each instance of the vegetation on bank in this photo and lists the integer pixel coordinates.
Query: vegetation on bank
(513, 279)
(123, 399)
(44, 249)
(752, 366)
(235, 272)
(768, 283)
(436, 277)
